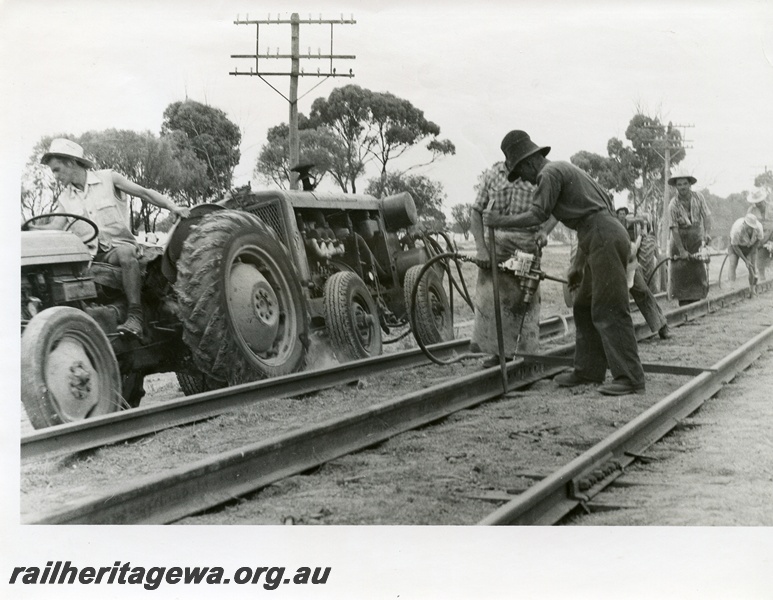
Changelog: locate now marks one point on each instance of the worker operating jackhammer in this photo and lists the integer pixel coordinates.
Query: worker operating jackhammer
(501, 196)
(605, 337)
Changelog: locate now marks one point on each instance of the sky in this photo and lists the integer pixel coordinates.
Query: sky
(571, 74)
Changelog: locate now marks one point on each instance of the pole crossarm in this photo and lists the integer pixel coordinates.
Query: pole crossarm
(309, 56)
(279, 21)
(288, 74)
(295, 72)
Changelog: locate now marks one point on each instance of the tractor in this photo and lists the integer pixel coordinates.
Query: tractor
(244, 289)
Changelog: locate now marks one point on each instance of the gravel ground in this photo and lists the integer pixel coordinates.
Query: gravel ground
(717, 471)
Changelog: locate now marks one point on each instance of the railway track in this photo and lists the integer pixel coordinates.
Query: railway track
(193, 488)
(145, 420)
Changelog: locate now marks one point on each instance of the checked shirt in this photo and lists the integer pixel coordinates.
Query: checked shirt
(498, 194)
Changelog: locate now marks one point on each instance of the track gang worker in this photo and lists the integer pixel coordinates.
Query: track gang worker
(605, 334)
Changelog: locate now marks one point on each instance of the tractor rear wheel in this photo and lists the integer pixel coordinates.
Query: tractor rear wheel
(243, 311)
(196, 383)
(431, 314)
(68, 368)
(351, 317)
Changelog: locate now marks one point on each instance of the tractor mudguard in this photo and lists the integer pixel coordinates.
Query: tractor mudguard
(179, 234)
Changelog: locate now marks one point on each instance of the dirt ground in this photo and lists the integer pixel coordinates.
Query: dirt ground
(458, 470)
(718, 470)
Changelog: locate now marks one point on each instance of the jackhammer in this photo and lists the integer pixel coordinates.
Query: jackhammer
(702, 255)
(523, 266)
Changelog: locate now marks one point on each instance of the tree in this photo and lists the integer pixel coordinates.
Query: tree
(318, 146)
(765, 180)
(212, 136)
(638, 167)
(156, 163)
(152, 162)
(39, 189)
(460, 213)
(724, 211)
(427, 194)
(398, 126)
(599, 167)
(374, 126)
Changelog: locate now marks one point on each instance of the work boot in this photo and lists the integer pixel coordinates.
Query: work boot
(620, 387)
(573, 379)
(132, 325)
(665, 333)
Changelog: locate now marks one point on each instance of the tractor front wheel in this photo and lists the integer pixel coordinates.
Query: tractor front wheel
(68, 368)
(431, 314)
(351, 317)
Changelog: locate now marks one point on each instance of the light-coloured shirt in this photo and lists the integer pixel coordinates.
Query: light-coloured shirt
(743, 235)
(100, 201)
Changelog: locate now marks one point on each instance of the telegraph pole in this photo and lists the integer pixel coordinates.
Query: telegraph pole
(295, 69)
(666, 144)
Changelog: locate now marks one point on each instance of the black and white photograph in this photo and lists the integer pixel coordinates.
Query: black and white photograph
(417, 300)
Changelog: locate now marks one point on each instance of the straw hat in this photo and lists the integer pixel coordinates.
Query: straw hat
(63, 148)
(756, 196)
(751, 221)
(682, 175)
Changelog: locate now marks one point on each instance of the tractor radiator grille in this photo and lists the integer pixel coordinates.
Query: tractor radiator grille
(270, 214)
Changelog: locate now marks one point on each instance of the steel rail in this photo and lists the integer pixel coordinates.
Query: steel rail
(120, 426)
(573, 485)
(186, 490)
(144, 420)
(189, 489)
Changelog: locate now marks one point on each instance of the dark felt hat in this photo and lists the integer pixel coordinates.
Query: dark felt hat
(517, 145)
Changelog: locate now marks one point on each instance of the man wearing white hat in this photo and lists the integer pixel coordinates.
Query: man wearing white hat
(98, 196)
(762, 208)
(745, 237)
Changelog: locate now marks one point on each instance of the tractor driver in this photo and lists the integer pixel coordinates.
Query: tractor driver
(97, 195)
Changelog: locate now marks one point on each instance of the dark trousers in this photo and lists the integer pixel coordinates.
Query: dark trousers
(605, 334)
(646, 302)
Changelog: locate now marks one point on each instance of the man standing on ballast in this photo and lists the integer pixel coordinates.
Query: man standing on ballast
(605, 333)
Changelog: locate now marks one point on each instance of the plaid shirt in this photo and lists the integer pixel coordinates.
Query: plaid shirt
(498, 194)
(697, 214)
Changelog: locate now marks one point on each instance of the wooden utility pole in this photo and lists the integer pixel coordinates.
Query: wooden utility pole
(295, 69)
(666, 144)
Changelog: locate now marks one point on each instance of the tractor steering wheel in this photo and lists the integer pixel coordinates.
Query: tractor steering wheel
(88, 222)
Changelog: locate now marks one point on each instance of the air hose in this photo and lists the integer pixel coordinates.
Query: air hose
(446, 256)
(523, 266)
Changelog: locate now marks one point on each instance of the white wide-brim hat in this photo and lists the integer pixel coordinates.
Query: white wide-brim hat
(751, 221)
(64, 148)
(756, 196)
(682, 175)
